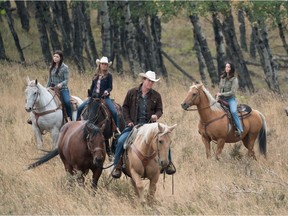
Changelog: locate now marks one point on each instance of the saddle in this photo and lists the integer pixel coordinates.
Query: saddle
(243, 110)
(55, 92)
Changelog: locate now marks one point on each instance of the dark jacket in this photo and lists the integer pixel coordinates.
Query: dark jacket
(106, 84)
(130, 105)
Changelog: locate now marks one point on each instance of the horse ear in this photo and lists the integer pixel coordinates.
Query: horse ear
(171, 128)
(27, 80)
(160, 128)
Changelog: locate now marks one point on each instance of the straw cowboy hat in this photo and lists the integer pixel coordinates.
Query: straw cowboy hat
(149, 75)
(104, 60)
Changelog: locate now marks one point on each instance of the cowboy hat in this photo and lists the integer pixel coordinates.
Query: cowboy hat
(151, 75)
(103, 60)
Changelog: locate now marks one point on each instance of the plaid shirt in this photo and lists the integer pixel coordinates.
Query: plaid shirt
(61, 77)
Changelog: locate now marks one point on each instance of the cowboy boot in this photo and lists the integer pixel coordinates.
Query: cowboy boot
(117, 171)
(170, 169)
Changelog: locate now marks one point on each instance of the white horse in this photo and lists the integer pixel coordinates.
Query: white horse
(45, 111)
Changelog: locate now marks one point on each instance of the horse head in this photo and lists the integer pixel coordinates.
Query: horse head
(32, 94)
(163, 142)
(193, 97)
(95, 143)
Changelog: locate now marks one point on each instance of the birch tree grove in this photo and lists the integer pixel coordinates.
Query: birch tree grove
(131, 32)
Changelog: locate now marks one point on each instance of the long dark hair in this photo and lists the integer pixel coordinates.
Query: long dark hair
(60, 53)
(232, 71)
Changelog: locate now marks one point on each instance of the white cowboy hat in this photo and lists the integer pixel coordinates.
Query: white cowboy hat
(104, 60)
(151, 75)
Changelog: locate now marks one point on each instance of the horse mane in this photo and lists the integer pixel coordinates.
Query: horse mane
(215, 106)
(146, 130)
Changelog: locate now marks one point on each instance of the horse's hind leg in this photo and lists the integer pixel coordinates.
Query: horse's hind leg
(248, 142)
(55, 135)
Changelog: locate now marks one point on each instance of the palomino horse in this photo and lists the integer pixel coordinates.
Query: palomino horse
(214, 123)
(147, 155)
(45, 111)
(81, 147)
(97, 112)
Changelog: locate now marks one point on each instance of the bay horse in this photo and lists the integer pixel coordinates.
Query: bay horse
(97, 112)
(146, 156)
(214, 124)
(81, 148)
(45, 111)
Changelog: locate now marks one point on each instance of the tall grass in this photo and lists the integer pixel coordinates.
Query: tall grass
(200, 186)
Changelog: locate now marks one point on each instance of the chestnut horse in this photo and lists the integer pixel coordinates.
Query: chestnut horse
(214, 124)
(81, 147)
(147, 155)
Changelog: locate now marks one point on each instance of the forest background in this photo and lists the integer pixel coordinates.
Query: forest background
(178, 41)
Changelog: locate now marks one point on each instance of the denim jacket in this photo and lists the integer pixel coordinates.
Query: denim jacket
(62, 77)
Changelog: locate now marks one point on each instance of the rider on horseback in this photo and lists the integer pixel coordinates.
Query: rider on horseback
(141, 105)
(228, 87)
(101, 87)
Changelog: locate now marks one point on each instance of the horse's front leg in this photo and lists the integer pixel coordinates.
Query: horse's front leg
(80, 178)
(152, 187)
(207, 144)
(138, 185)
(96, 175)
(38, 136)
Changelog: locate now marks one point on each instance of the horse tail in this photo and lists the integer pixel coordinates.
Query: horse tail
(262, 137)
(44, 159)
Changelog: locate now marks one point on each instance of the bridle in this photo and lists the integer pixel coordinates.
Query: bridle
(96, 117)
(197, 95)
(36, 98)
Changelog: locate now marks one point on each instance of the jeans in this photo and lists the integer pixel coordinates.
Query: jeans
(119, 147)
(121, 140)
(108, 103)
(112, 109)
(233, 109)
(81, 107)
(65, 96)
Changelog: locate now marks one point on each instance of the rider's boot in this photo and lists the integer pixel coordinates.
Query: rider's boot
(117, 171)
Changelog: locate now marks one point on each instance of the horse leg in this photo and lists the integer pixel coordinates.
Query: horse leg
(96, 175)
(138, 185)
(108, 149)
(38, 136)
(55, 135)
(80, 178)
(248, 142)
(152, 187)
(220, 146)
(206, 142)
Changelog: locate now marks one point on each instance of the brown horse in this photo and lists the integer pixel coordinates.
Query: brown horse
(97, 112)
(81, 147)
(214, 124)
(147, 155)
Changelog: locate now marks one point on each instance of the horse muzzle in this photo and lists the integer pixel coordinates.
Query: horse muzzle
(28, 109)
(98, 161)
(184, 106)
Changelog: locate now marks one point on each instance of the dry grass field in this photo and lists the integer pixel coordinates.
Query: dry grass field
(235, 185)
(230, 186)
